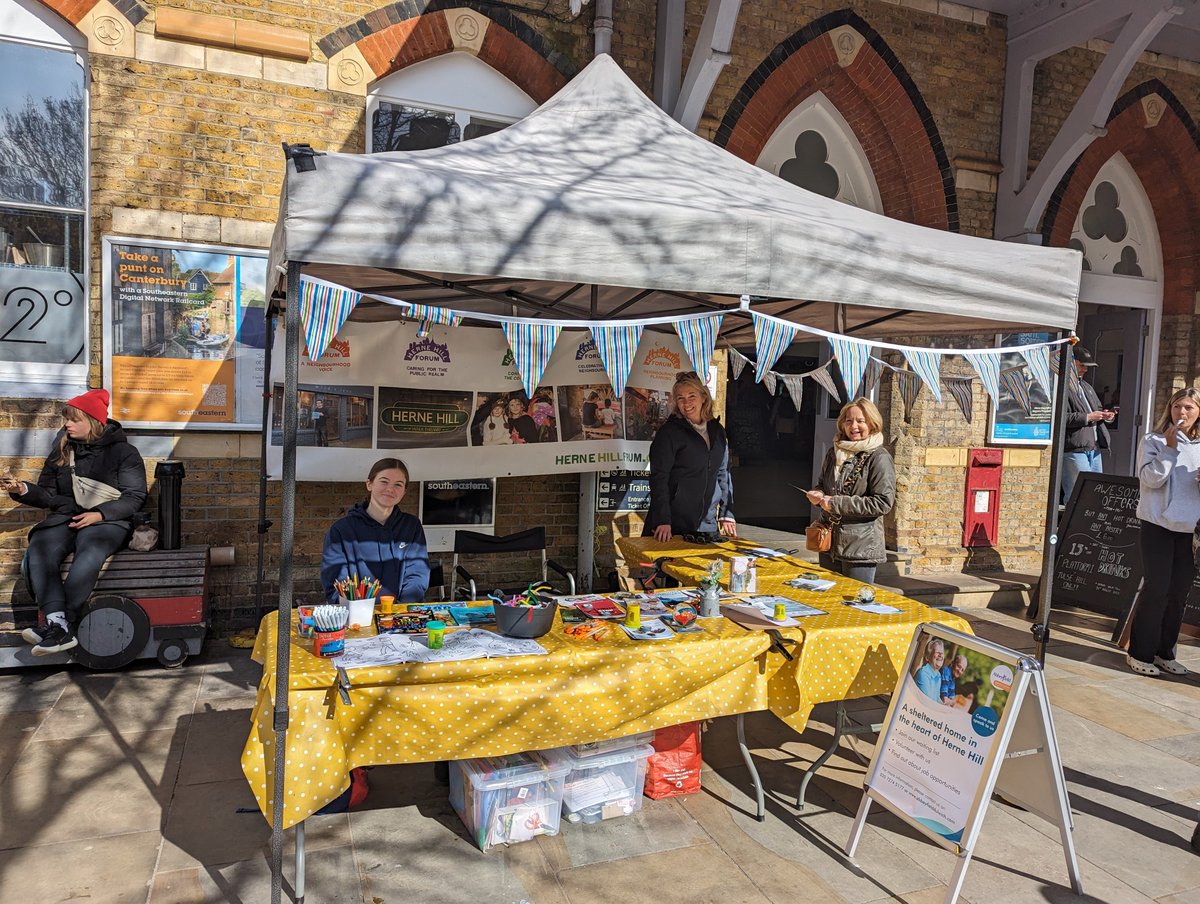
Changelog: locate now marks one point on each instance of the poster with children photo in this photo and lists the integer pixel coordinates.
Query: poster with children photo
(645, 410)
(512, 419)
(590, 412)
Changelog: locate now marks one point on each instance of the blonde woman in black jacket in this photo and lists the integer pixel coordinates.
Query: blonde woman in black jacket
(690, 487)
(98, 450)
(858, 487)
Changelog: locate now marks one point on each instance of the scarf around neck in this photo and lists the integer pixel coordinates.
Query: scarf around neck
(844, 448)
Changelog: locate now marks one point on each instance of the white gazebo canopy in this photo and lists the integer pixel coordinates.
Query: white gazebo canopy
(598, 205)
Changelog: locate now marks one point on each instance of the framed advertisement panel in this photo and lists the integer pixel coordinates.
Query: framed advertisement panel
(184, 333)
(1010, 423)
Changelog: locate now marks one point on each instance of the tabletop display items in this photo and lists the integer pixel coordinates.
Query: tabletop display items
(329, 623)
(529, 614)
(359, 595)
(743, 576)
(710, 592)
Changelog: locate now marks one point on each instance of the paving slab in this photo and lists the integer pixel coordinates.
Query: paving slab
(80, 789)
(332, 878)
(107, 869)
(101, 703)
(16, 732)
(31, 690)
(215, 735)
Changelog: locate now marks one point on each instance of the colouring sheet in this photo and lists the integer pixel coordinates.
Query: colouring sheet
(394, 649)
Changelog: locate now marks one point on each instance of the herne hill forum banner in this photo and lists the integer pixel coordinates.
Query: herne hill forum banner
(451, 405)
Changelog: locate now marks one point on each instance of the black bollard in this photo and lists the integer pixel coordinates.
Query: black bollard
(169, 475)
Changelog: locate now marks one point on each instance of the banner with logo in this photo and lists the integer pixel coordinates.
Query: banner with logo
(452, 405)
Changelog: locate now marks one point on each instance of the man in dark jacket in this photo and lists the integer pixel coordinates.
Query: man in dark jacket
(1087, 433)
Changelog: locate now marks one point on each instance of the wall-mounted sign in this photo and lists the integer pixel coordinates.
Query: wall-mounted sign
(622, 491)
(1010, 422)
(185, 334)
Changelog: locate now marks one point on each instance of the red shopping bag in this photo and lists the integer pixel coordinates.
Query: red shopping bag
(674, 768)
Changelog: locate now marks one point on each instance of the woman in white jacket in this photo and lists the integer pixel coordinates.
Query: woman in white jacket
(1169, 507)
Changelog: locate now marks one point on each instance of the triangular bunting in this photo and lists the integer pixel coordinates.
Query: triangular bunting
(771, 339)
(962, 390)
(825, 380)
(770, 381)
(851, 356)
(794, 383)
(1013, 379)
(871, 376)
(909, 384)
(1038, 359)
(699, 338)
(323, 310)
(737, 363)
(987, 365)
(532, 345)
(616, 345)
(427, 316)
(928, 366)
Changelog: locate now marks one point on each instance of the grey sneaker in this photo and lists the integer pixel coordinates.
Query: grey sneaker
(1171, 666)
(56, 639)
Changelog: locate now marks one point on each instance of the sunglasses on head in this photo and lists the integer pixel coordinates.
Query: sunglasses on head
(686, 375)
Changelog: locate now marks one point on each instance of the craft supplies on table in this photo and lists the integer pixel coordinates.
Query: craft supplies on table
(651, 630)
(435, 634)
(812, 582)
(329, 624)
(464, 644)
(508, 799)
(604, 785)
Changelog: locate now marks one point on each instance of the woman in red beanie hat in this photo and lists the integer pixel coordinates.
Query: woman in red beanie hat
(89, 446)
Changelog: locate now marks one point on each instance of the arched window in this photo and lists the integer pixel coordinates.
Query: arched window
(450, 98)
(43, 196)
(815, 148)
(1115, 228)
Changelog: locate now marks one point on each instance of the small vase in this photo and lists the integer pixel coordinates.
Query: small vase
(710, 602)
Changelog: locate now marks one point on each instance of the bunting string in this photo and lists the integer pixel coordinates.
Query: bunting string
(771, 338)
(1038, 359)
(824, 379)
(531, 344)
(962, 389)
(737, 363)
(699, 338)
(770, 381)
(909, 385)
(851, 356)
(1013, 379)
(794, 383)
(927, 365)
(987, 365)
(871, 376)
(427, 316)
(616, 345)
(324, 308)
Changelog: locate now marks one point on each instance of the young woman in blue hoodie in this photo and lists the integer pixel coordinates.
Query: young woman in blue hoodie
(1168, 507)
(377, 540)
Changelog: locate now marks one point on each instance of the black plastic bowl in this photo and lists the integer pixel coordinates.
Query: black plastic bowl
(526, 621)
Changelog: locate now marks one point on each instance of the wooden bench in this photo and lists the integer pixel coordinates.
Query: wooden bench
(145, 604)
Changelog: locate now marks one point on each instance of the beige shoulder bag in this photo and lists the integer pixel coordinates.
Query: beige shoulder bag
(89, 493)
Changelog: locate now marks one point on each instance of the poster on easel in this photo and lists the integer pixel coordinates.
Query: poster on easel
(968, 719)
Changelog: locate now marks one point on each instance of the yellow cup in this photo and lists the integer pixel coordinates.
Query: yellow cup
(386, 605)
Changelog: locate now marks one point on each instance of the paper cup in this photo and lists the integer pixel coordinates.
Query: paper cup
(362, 612)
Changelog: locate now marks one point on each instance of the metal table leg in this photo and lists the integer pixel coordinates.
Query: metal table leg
(300, 862)
(838, 725)
(758, 788)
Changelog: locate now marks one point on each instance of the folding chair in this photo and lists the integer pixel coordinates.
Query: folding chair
(469, 542)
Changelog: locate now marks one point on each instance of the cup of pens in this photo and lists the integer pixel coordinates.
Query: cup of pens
(329, 634)
(359, 596)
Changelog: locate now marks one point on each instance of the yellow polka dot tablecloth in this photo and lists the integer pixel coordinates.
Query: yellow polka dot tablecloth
(844, 655)
(423, 712)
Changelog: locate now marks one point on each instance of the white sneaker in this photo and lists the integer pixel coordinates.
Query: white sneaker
(1142, 668)
(1171, 666)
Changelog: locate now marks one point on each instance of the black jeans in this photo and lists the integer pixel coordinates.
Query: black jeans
(48, 546)
(1169, 568)
(856, 571)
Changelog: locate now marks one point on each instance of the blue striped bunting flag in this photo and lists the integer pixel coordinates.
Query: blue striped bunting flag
(616, 345)
(323, 310)
(825, 380)
(962, 388)
(1038, 359)
(909, 384)
(737, 363)
(928, 366)
(1013, 379)
(794, 383)
(987, 365)
(427, 315)
(771, 339)
(531, 344)
(871, 376)
(852, 357)
(699, 338)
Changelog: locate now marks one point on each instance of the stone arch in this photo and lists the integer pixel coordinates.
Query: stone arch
(840, 55)
(402, 33)
(1161, 142)
(75, 11)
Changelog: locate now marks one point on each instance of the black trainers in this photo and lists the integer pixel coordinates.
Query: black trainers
(34, 635)
(56, 639)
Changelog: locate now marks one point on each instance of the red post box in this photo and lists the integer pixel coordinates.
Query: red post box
(981, 506)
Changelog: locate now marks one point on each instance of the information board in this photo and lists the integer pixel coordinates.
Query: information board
(1098, 565)
(622, 491)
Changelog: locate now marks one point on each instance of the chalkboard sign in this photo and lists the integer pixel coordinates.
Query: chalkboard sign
(622, 491)
(1098, 565)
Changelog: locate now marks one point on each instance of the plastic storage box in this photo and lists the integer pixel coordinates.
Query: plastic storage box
(508, 799)
(602, 785)
(598, 747)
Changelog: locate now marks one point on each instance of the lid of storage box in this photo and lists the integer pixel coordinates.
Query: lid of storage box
(598, 747)
(565, 755)
(512, 770)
